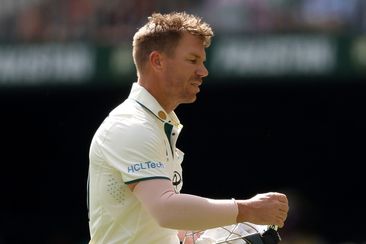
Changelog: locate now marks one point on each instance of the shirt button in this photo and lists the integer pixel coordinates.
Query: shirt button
(162, 115)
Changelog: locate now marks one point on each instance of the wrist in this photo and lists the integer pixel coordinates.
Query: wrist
(243, 211)
(237, 209)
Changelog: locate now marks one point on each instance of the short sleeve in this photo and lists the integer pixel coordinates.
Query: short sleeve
(137, 151)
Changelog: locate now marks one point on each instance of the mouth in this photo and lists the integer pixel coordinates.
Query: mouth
(197, 83)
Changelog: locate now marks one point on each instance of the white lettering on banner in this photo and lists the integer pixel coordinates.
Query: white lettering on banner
(146, 165)
(274, 56)
(34, 64)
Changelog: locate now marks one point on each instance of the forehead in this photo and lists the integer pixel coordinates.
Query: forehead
(191, 44)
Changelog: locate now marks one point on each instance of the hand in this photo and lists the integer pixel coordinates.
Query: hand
(188, 237)
(264, 209)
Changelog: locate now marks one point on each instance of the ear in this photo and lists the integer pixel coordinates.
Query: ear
(155, 59)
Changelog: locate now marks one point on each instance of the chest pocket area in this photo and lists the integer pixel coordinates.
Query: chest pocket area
(177, 178)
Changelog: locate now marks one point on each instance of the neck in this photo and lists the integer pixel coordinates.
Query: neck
(156, 89)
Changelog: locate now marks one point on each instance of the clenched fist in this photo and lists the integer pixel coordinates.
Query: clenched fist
(264, 209)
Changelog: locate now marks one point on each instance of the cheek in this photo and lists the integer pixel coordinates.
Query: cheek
(186, 72)
(180, 73)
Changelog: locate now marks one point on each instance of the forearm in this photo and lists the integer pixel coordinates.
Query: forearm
(184, 211)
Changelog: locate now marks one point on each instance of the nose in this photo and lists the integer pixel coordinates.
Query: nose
(202, 71)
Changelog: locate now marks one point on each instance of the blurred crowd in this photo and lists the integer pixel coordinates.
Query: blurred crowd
(113, 21)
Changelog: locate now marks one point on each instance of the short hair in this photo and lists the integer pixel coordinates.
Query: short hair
(162, 33)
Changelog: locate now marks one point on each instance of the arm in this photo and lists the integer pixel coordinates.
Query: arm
(184, 211)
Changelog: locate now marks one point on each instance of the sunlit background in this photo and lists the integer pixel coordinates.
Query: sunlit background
(283, 109)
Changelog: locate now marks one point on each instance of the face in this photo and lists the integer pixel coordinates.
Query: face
(184, 70)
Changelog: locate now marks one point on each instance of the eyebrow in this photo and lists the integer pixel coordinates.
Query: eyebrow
(197, 56)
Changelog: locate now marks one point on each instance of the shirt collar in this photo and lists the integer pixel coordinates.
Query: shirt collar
(142, 96)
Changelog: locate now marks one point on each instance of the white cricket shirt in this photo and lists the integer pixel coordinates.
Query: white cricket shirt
(135, 142)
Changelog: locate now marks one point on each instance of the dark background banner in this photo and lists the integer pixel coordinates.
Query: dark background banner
(302, 138)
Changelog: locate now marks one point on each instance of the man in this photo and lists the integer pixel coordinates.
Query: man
(135, 168)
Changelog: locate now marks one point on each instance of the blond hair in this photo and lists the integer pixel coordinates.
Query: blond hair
(162, 33)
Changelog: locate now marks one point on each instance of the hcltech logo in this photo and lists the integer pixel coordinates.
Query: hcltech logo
(146, 165)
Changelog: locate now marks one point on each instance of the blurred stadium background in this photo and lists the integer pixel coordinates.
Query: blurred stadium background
(283, 109)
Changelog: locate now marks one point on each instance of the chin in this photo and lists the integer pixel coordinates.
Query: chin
(191, 100)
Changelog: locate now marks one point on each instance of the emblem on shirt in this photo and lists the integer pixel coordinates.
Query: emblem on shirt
(177, 180)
